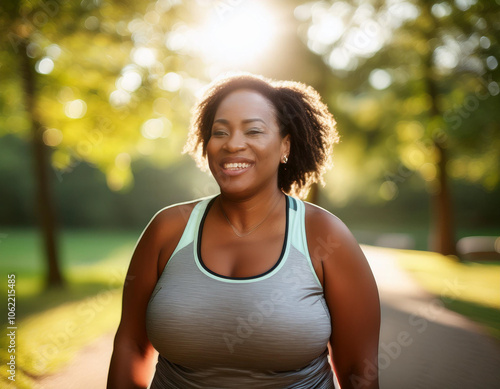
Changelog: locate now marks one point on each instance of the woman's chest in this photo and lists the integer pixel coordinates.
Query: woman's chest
(241, 257)
(277, 323)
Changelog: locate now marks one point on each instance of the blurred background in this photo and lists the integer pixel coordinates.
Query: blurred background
(95, 100)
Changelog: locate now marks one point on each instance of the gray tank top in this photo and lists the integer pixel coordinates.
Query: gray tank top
(266, 331)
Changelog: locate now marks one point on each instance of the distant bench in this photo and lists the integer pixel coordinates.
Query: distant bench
(396, 241)
(479, 248)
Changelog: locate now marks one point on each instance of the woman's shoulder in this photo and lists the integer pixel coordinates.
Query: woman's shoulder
(171, 220)
(176, 214)
(328, 237)
(322, 219)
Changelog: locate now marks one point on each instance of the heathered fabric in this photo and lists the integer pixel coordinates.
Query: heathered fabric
(267, 331)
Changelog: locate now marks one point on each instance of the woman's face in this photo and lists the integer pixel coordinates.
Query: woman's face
(245, 147)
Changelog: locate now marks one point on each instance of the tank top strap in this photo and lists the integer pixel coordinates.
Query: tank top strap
(191, 229)
(297, 233)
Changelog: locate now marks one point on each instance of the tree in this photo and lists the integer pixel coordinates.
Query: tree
(102, 103)
(420, 77)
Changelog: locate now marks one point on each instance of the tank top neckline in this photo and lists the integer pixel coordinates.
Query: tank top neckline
(264, 275)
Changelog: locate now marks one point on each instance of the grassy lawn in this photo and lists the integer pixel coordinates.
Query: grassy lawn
(469, 288)
(53, 325)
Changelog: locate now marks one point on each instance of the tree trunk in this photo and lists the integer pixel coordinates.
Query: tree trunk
(442, 228)
(44, 204)
(443, 237)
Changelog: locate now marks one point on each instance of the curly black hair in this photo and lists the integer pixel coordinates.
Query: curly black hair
(299, 112)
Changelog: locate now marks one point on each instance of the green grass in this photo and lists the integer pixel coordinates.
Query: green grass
(469, 288)
(53, 325)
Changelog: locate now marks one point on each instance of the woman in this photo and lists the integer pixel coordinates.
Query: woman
(249, 288)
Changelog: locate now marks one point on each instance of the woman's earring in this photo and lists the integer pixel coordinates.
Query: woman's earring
(285, 159)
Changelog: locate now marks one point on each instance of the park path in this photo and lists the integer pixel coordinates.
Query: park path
(422, 344)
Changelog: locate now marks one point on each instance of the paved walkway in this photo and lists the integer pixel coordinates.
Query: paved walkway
(88, 370)
(422, 345)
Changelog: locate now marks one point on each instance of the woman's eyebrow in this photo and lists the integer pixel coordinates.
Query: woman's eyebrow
(245, 121)
(223, 121)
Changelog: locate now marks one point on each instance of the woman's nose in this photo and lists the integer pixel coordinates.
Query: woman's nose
(235, 142)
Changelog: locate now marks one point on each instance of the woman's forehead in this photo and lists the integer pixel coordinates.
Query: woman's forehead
(243, 104)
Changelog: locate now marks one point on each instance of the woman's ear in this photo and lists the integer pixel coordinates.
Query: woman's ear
(285, 145)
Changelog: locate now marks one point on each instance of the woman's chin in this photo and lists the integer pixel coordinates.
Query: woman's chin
(232, 184)
(235, 190)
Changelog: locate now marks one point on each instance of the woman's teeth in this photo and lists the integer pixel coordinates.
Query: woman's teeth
(236, 166)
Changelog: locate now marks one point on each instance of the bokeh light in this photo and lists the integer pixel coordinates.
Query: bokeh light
(156, 128)
(144, 56)
(53, 51)
(343, 33)
(122, 161)
(130, 81)
(44, 66)
(491, 62)
(380, 79)
(171, 82)
(52, 137)
(75, 109)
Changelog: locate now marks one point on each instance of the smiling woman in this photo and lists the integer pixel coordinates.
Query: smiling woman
(290, 108)
(245, 141)
(252, 287)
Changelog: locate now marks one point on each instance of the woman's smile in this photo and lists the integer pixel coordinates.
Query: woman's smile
(234, 166)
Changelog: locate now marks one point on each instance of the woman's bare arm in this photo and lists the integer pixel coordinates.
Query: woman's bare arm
(133, 360)
(352, 298)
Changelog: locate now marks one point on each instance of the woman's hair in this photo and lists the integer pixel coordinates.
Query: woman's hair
(299, 113)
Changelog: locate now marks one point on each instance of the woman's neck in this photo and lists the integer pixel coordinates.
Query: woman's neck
(243, 214)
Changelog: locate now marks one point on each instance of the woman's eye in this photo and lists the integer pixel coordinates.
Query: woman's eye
(218, 132)
(254, 131)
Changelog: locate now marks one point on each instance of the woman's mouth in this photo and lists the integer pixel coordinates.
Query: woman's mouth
(235, 166)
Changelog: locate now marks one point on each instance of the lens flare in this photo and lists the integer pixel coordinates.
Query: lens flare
(236, 35)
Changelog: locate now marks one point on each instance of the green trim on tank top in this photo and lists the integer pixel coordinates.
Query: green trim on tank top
(190, 229)
(300, 238)
(295, 235)
(238, 280)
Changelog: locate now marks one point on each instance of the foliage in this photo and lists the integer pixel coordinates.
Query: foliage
(384, 54)
(101, 92)
(96, 101)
